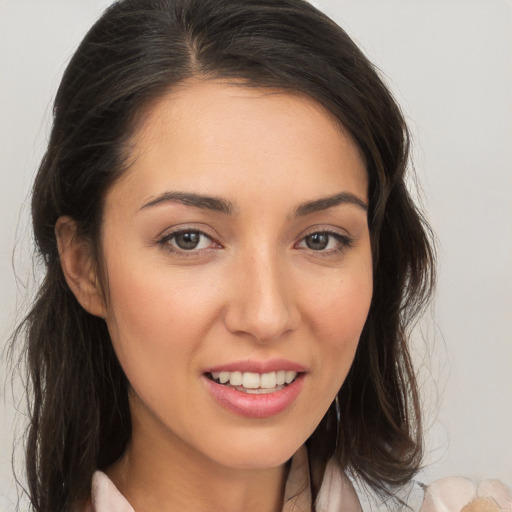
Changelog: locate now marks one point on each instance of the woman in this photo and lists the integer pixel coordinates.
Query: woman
(202, 338)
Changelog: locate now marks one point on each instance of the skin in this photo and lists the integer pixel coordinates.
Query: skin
(251, 290)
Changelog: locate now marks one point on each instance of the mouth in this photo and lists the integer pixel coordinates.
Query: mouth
(254, 383)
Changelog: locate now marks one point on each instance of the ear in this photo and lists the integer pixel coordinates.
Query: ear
(79, 267)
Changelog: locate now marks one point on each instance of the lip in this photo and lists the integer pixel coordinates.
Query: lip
(255, 405)
(254, 366)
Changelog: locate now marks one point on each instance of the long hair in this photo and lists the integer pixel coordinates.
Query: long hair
(137, 51)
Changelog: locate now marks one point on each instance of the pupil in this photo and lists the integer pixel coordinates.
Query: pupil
(187, 240)
(317, 241)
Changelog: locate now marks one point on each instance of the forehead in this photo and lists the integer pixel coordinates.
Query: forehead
(220, 138)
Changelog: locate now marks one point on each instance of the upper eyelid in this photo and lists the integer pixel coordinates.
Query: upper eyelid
(335, 234)
(333, 230)
(170, 232)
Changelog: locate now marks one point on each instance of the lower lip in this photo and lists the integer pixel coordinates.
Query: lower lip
(255, 405)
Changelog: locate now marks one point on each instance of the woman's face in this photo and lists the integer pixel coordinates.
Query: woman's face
(237, 254)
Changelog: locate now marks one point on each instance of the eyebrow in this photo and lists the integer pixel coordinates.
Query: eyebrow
(328, 202)
(227, 207)
(199, 201)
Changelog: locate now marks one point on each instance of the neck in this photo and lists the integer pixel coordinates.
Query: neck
(161, 472)
(189, 488)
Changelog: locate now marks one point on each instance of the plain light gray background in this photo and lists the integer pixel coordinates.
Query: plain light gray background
(449, 64)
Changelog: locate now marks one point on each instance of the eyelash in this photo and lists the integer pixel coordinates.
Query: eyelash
(344, 242)
(165, 242)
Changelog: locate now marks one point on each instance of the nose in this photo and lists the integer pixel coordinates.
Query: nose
(263, 304)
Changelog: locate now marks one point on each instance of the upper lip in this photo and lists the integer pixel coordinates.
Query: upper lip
(255, 366)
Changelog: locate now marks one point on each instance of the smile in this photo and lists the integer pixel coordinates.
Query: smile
(255, 383)
(254, 395)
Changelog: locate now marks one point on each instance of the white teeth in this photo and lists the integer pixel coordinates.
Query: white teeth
(268, 380)
(235, 378)
(251, 380)
(224, 377)
(289, 377)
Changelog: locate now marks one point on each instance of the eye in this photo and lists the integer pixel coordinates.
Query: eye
(186, 240)
(325, 241)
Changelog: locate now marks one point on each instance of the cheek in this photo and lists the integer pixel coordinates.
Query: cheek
(157, 318)
(338, 317)
(340, 307)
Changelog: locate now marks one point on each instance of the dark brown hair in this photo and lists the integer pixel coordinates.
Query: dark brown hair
(137, 51)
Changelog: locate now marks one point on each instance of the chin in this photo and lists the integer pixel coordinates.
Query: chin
(257, 450)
